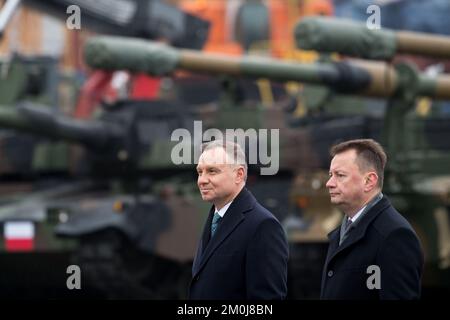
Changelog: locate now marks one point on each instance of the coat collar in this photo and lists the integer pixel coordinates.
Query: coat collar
(243, 203)
(358, 232)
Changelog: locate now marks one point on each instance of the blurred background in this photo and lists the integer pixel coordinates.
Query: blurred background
(86, 176)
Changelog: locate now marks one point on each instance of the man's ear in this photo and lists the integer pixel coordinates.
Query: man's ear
(240, 174)
(371, 181)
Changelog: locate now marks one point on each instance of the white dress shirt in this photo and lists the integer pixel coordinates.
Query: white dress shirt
(224, 209)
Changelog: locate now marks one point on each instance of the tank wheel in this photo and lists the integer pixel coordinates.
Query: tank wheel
(112, 266)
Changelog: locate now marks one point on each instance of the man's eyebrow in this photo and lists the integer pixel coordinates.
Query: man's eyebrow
(208, 167)
(338, 170)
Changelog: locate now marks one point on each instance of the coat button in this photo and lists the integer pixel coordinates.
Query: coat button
(330, 273)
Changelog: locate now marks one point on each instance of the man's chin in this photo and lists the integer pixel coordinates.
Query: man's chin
(207, 198)
(335, 201)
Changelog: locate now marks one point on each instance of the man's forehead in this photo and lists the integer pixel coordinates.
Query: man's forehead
(215, 156)
(339, 167)
(343, 160)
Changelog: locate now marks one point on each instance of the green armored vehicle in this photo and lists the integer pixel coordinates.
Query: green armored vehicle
(54, 169)
(116, 220)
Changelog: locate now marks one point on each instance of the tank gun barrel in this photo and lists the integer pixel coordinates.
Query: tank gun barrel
(40, 120)
(357, 77)
(154, 58)
(326, 34)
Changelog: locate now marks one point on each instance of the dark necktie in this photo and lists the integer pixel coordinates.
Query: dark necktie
(344, 230)
(348, 223)
(215, 223)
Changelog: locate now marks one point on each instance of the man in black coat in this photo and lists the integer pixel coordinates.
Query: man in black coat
(243, 251)
(375, 253)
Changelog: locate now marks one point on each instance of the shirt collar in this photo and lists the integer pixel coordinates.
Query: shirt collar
(371, 204)
(224, 209)
(356, 216)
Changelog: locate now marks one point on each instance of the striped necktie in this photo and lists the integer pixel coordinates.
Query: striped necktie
(215, 223)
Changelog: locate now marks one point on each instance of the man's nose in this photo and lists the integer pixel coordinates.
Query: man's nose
(202, 179)
(330, 183)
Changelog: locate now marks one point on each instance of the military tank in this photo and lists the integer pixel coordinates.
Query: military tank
(110, 201)
(48, 176)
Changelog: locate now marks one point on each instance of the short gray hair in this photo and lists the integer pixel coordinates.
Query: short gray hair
(233, 151)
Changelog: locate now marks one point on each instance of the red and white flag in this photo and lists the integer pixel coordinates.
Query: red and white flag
(19, 235)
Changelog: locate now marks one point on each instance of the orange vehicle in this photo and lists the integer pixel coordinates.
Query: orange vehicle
(254, 25)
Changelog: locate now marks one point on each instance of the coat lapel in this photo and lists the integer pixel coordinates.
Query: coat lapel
(232, 218)
(357, 233)
(333, 237)
(207, 231)
(206, 235)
